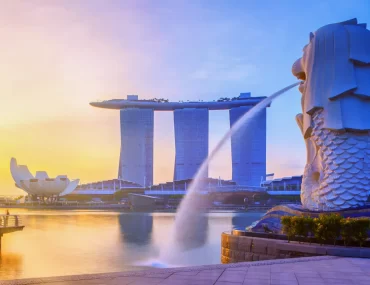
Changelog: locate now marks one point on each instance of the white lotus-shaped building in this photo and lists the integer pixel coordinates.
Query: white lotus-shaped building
(41, 184)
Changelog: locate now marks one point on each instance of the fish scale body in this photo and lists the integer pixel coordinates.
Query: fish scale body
(345, 177)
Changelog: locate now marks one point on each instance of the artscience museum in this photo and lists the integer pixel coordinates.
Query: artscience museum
(41, 185)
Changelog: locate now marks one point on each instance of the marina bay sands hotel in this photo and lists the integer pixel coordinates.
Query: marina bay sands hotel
(191, 121)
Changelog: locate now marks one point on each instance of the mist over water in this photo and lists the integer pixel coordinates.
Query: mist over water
(189, 227)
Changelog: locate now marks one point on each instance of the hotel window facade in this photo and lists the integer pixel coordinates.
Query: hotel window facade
(191, 141)
(136, 158)
(248, 148)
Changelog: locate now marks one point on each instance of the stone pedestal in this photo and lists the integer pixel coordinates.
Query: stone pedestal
(242, 247)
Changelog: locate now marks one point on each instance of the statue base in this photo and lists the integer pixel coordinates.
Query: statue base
(271, 219)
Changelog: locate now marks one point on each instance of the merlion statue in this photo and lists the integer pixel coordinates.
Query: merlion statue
(335, 119)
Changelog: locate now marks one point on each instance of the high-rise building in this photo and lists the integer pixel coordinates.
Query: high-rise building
(191, 141)
(191, 123)
(136, 157)
(248, 148)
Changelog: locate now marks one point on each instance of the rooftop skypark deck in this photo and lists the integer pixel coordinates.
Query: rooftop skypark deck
(132, 101)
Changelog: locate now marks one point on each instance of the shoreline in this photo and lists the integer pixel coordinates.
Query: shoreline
(125, 208)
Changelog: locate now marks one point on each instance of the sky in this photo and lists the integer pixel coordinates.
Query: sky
(58, 55)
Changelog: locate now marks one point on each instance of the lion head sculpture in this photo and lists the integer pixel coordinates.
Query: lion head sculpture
(335, 74)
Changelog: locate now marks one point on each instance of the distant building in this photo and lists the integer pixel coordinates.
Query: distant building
(104, 190)
(290, 185)
(41, 185)
(183, 185)
(106, 187)
(136, 158)
(191, 141)
(191, 137)
(248, 148)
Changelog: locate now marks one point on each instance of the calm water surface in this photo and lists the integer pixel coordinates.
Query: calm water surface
(79, 242)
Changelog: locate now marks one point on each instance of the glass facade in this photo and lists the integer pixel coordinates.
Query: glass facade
(136, 157)
(248, 148)
(292, 183)
(191, 141)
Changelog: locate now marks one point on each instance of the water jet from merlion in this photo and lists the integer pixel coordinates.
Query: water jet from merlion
(190, 215)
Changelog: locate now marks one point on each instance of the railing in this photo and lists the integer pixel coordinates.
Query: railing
(9, 221)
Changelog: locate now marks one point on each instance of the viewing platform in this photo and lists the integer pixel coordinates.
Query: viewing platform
(9, 224)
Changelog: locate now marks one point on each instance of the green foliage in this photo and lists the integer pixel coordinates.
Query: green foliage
(346, 230)
(310, 226)
(327, 228)
(288, 228)
(305, 226)
(360, 228)
(298, 226)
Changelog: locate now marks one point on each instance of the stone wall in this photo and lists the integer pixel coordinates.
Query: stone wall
(237, 248)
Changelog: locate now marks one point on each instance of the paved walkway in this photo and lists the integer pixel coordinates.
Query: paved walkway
(297, 271)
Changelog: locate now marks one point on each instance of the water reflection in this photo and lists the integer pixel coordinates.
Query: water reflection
(136, 227)
(58, 243)
(11, 264)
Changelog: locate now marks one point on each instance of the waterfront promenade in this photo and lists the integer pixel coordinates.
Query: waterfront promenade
(295, 271)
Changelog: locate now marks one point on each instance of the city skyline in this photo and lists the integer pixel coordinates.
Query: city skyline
(111, 49)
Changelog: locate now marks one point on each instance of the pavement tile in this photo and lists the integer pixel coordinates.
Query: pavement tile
(50, 283)
(336, 275)
(257, 281)
(231, 271)
(303, 271)
(281, 268)
(101, 281)
(188, 273)
(258, 275)
(279, 278)
(307, 274)
(158, 275)
(362, 282)
(311, 281)
(191, 278)
(339, 281)
(236, 276)
(187, 282)
(213, 273)
(245, 269)
(285, 282)
(264, 268)
(216, 270)
(146, 281)
(365, 268)
(360, 278)
(120, 281)
(228, 283)
(348, 269)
